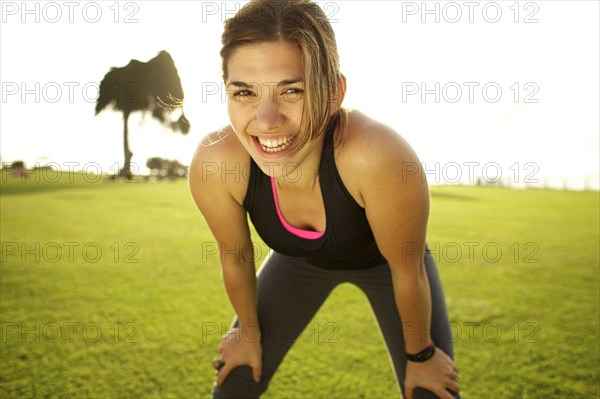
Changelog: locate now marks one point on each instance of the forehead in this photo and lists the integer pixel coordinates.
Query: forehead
(265, 61)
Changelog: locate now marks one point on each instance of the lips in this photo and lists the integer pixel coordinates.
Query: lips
(273, 145)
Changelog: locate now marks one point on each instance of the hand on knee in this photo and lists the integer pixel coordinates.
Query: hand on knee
(237, 349)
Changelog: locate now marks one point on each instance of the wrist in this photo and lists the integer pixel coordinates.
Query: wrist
(422, 356)
(249, 331)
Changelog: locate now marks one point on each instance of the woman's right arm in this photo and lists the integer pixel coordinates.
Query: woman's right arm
(219, 197)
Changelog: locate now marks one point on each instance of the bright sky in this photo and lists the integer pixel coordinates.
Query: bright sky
(473, 86)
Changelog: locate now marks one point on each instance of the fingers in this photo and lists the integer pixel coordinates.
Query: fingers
(444, 394)
(454, 376)
(256, 373)
(443, 390)
(224, 370)
(453, 383)
(222, 374)
(217, 362)
(439, 376)
(453, 386)
(454, 368)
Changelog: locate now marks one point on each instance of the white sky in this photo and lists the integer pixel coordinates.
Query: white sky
(387, 53)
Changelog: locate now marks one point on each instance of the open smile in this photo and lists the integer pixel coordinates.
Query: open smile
(273, 145)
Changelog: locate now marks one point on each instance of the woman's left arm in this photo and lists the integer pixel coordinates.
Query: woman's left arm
(394, 189)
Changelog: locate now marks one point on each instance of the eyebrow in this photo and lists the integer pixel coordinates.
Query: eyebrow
(282, 83)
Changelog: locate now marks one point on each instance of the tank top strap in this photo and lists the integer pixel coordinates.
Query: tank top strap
(328, 156)
(253, 182)
(333, 186)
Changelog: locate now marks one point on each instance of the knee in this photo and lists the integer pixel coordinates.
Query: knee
(240, 385)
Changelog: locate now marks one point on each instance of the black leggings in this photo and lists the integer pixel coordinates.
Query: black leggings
(291, 290)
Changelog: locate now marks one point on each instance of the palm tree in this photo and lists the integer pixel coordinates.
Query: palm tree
(152, 86)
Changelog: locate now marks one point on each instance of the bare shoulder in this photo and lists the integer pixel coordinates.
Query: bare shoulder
(218, 188)
(374, 152)
(219, 164)
(369, 141)
(384, 174)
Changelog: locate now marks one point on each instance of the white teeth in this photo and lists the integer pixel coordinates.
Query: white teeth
(271, 145)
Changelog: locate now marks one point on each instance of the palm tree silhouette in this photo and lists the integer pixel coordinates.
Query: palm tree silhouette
(152, 86)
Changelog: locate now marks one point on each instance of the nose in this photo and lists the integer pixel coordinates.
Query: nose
(267, 114)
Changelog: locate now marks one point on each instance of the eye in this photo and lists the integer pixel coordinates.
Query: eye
(242, 93)
(293, 94)
(243, 96)
(293, 90)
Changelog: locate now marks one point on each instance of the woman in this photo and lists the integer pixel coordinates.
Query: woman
(337, 196)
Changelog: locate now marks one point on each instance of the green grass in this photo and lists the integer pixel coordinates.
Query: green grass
(143, 317)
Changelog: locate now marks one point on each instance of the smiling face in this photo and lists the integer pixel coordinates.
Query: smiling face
(265, 97)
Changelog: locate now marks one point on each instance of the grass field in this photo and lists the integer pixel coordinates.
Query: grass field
(113, 290)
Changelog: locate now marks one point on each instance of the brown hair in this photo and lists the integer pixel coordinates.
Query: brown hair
(303, 23)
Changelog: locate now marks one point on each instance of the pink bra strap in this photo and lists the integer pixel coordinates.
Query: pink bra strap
(306, 234)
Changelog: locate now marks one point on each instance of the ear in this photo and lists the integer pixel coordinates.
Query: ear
(341, 89)
(338, 97)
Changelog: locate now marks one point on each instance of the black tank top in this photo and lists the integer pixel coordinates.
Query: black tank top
(347, 242)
